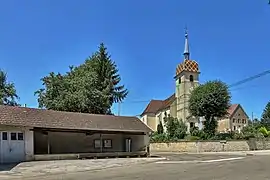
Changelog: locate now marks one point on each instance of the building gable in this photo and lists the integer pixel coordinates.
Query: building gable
(156, 106)
(239, 110)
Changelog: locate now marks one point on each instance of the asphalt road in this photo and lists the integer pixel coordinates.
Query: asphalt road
(250, 167)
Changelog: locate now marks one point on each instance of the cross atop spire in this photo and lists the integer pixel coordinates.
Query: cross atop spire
(186, 50)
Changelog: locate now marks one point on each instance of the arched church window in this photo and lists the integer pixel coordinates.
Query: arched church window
(191, 78)
(179, 80)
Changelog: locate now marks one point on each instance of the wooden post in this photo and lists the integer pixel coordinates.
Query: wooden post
(48, 143)
(101, 143)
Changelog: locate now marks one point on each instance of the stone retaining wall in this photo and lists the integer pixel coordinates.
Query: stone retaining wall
(211, 146)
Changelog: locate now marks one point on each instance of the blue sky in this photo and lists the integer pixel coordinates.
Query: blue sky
(229, 39)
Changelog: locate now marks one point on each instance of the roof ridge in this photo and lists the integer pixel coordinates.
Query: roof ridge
(57, 111)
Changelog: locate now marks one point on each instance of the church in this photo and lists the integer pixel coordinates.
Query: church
(186, 79)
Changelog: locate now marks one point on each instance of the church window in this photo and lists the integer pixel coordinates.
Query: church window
(179, 80)
(191, 78)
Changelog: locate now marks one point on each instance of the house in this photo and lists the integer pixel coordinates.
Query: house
(234, 121)
(36, 134)
(176, 105)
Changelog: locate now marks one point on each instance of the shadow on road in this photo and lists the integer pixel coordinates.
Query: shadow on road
(7, 167)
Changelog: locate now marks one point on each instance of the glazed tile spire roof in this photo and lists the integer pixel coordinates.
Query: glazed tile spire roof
(188, 65)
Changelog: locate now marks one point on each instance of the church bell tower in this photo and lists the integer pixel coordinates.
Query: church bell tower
(187, 78)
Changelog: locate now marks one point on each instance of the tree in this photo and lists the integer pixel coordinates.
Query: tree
(92, 87)
(8, 95)
(108, 77)
(175, 129)
(212, 101)
(160, 129)
(265, 121)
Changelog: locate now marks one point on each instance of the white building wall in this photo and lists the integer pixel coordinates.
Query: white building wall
(29, 145)
(28, 142)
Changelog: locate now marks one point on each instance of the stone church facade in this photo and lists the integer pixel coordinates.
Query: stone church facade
(186, 79)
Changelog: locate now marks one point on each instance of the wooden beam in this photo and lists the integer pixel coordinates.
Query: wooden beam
(87, 132)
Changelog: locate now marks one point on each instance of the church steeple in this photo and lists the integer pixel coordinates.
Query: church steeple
(186, 50)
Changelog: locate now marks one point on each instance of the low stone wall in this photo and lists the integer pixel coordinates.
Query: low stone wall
(210, 146)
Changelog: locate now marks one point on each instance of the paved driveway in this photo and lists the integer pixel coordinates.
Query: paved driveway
(47, 168)
(250, 167)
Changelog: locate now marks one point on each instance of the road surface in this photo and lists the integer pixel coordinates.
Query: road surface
(187, 167)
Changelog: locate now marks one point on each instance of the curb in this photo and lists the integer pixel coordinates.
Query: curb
(237, 153)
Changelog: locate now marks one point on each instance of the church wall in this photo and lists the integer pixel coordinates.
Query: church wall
(183, 91)
(152, 122)
(161, 115)
(173, 109)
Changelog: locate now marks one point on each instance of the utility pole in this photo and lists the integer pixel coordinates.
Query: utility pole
(252, 118)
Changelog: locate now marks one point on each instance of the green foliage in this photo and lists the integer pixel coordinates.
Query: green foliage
(92, 87)
(210, 100)
(176, 129)
(192, 138)
(160, 129)
(158, 138)
(194, 131)
(8, 95)
(264, 131)
(265, 121)
(254, 131)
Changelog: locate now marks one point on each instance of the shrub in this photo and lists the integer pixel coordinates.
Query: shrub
(192, 138)
(223, 136)
(264, 131)
(176, 129)
(157, 138)
(160, 129)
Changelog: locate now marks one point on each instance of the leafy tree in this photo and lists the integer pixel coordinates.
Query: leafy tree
(175, 129)
(8, 95)
(212, 101)
(265, 121)
(92, 87)
(160, 129)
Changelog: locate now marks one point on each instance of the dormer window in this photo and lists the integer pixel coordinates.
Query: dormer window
(191, 78)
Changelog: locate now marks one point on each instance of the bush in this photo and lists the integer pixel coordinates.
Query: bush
(160, 129)
(175, 129)
(264, 131)
(223, 136)
(192, 138)
(158, 138)
(194, 131)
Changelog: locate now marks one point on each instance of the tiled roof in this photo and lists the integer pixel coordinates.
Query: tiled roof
(156, 105)
(187, 65)
(39, 118)
(232, 109)
(153, 106)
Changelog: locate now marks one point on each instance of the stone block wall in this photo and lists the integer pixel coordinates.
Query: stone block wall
(210, 146)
